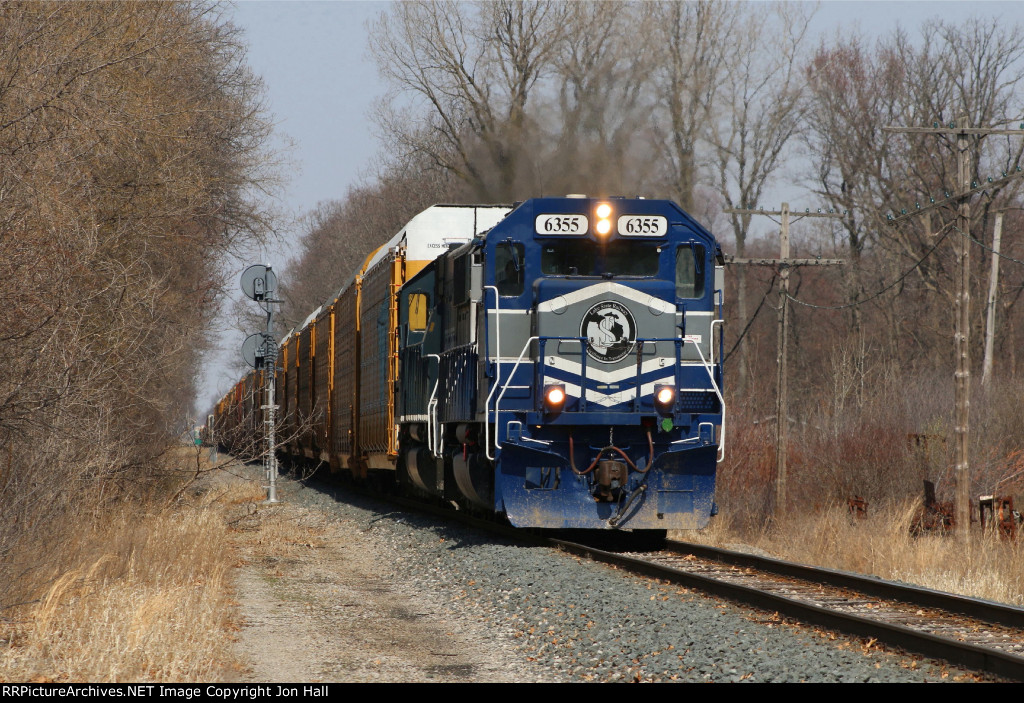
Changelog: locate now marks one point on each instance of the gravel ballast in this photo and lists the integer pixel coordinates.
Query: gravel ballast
(533, 614)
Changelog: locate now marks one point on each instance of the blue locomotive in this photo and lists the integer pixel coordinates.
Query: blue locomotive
(563, 368)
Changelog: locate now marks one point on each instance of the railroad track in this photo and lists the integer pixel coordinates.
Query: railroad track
(969, 632)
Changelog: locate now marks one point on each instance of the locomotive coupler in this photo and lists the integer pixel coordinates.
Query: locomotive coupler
(611, 478)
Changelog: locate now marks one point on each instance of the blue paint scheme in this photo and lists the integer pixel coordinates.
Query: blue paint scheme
(520, 454)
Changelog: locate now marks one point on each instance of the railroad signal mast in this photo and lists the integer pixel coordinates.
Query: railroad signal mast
(783, 264)
(259, 350)
(962, 332)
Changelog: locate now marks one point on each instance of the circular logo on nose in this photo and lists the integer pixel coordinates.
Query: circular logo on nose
(610, 331)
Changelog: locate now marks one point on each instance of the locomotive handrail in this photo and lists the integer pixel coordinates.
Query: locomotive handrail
(545, 442)
(497, 401)
(497, 329)
(497, 362)
(711, 376)
(711, 342)
(432, 407)
(487, 360)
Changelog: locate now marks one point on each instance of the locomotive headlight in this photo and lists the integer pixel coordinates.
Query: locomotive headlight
(664, 398)
(554, 398)
(604, 223)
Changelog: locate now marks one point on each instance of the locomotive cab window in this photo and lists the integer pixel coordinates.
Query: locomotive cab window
(417, 312)
(509, 268)
(567, 259)
(625, 258)
(583, 258)
(690, 267)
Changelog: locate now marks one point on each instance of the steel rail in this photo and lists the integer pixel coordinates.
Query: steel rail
(965, 654)
(989, 611)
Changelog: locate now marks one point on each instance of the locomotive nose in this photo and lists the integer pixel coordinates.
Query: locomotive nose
(600, 341)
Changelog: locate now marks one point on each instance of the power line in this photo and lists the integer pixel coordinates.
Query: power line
(990, 249)
(906, 273)
(962, 332)
(892, 285)
(771, 284)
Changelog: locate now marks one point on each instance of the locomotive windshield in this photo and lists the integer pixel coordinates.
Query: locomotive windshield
(690, 271)
(585, 258)
(508, 268)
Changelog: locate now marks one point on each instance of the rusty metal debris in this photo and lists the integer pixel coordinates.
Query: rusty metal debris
(858, 507)
(1001, 516)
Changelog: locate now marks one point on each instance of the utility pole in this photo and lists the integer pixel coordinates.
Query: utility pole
(990, 313)
(783, 264)
(962, 331)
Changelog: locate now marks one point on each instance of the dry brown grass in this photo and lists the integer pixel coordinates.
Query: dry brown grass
(881, 545)
(878, 435)
(138, 597)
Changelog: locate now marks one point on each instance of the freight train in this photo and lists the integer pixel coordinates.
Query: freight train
(557, 362)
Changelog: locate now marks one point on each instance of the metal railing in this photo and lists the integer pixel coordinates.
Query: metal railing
(501, 387)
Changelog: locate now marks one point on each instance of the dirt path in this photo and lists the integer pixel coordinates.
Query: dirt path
(319, 603)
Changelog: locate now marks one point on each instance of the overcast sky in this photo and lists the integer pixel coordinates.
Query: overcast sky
(321, 85)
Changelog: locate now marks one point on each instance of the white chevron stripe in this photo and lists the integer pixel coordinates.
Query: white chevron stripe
(576, 368)
(606, 288)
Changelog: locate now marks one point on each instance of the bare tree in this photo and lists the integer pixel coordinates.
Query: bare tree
(697, 40)
(761, 110)
(855, 92)
(132, 159)
(471, 70)
(604, 100)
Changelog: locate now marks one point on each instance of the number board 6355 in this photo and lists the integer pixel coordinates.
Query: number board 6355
(643, 226)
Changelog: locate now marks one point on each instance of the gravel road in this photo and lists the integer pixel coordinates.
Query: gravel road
(340, 589)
